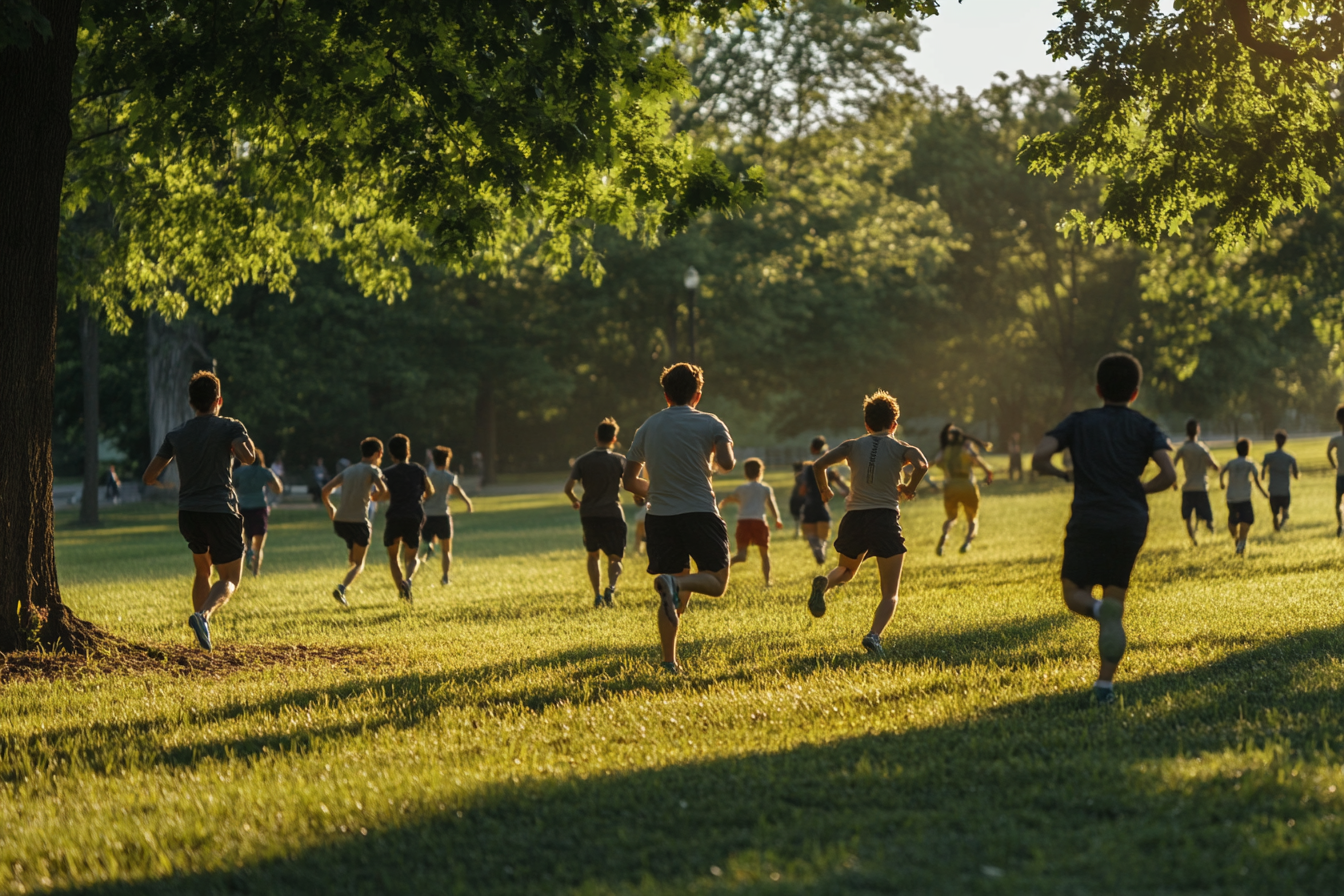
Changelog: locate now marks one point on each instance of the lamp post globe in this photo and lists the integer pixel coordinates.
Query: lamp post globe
(691, 280)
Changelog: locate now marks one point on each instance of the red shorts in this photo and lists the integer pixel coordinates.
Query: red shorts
(752, 532)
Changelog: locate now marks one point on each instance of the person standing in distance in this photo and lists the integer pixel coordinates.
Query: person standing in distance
(1197, 460)
(358, 484)
(600, 512)
(207, 506)
(682, 448)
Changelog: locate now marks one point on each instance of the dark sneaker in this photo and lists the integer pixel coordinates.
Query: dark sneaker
(339, 593)
(445, 580)
(1103, 696)
(666, 586)
(202, 630)
(1111, 638)
(406, 591)
(873, 644)
(609, 596)
(942, 543)
(965, 547)
(816, 604)
(597, 602)
(671, 668)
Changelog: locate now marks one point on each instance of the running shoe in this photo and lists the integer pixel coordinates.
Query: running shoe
(339, 593)
(609, 596)
(1241, 548)
(816, 604)
(248, 561)
(1103, 696)
(873, 644)
(429, 550)
(942, 543)
(445, 580)
(597, 602)
(406, 591)
(1111, 637)
(965, 547)
(671, 668)
(201, 627)
(666, 586)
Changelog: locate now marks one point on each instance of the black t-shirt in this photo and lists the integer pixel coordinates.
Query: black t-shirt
(203, 449)
(1111, 445)
(406, 483)
(600, 471)
(811, 491)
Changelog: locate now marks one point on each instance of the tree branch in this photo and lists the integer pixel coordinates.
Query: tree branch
(1241, 22)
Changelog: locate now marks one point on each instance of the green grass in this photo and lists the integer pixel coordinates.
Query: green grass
(503, 737)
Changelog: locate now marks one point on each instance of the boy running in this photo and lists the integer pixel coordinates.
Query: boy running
(438, 513)
(407, 486)
(1197, 460)
(958, 459)
(1237, 477)
(207, 507)
(682, 448)
(1334, 452)
(600, 512)
(797, 498)
(251, 483)
(753, 499)
(1280, 468)
(816, 512)
(358, 484)
(1111, 446)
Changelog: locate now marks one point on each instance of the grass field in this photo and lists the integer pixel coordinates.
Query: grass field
(503, 737)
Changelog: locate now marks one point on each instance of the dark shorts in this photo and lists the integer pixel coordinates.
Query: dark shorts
(406, 528)
(796, 504)
(674, 541)
(1198, 504)
(1279, 502)
(1339, 489)
(218, 534)
(354, 533)
(870, 533)
(1101, 557)
(604, 533)
(256, 520)
(816, 513)
(440, 527)
(1240, 512)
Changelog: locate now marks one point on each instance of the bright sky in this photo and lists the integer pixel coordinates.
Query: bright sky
(968, 42)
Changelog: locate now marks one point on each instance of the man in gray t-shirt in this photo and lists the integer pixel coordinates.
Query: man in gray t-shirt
(681, 447)
(359, 484)
(207, 508)
(1280, 468)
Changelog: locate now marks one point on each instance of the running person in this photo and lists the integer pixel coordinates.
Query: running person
(681, 447)
(816, 512)
(1197, 460)
(407, 486)
(797, 498)
(252, 482)
(958, 459)
(1334, 453)
(753, 499)
(1111, 447)
(438, 511)
(1237, 476)
(207, 507)
(1280, 468)
(360, 485)
(871, 526)
(600, 512)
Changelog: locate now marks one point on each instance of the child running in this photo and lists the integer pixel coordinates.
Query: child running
(1280, 468)
(797, 498)
(1334, 453)
(753, 499)
(681, 448)
(816, 512)
(871, 526)
(358, 484)
(1197, 460)
(252, 482)
(438, 512)
(407, 486)
(600, 512)
(1237, 477)
(207, 507)
(958, 459)
(1111, 446)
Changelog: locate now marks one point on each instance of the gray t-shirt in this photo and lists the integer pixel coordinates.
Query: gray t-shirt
(1279, 465)
(676, 445)
(203, 449)
(600, 471)
(875, 465)
(1338, 442)
(1195, 458)
(357, 480)
(753, 498)
(437, 503)
(1239, 473)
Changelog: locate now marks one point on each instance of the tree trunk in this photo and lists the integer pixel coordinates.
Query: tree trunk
(172, 351)
(34, 137)
(486, 439)
(88, 349)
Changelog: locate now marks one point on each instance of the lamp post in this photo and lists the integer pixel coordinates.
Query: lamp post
(692, 282)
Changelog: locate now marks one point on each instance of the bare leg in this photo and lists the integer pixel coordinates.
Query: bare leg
(447, 546)
(357, 553)
(738, 557)
(1232, 529)
(614, 569)
(947, 532)
(393, 552)
(1081, 601)
(222, 590)
(713, 584)
(1243, 531)
(765, 563)
(1191, 525)
(972, 530)
(200, 585)
(258, 542)
(889, 577)
(594, 573)
(411, 558)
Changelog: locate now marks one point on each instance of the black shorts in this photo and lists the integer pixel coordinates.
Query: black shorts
(256, 520)
(1339, 489)
(796, 504)
(816, 513)
(218, 534)
(606, 534)
(1279, 502)
(407, 528)
(1240, 512)
(676, 540)
(440, 527)
(1198, 504)
(870, 533)
(1101, 557)
(354, 533)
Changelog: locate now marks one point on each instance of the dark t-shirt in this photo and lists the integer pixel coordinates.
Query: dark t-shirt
(1111, 445)
(203, 449)
(811, 491)
(600, 471)
(406, 483)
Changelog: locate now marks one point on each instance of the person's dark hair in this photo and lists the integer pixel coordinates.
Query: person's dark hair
(441, 455)
(400, 447)
(1280, 436)
(950, 434)
(203, 391)
(818, 445)
(1118, 376)
(1192, 427)
(370, 446)
(880, 411)
(681, 382)
(753, 468)
(1243, 447)
(607, 430)
(1339, 415)
(797, 466)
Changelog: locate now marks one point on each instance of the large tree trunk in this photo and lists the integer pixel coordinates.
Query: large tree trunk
(486, 440)
(88, 350)
(172, 352)
(34, 137)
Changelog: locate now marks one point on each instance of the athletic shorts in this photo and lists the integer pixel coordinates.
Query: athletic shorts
(816, 513)
(870, 533)
(218, 534)
(354, 533)
(406, 528)
(797, 501)
(1101, 557)
(674, 541)
(1339, 489)
(1198, 504)
(440, 527)
(1240, 512)
(1279, 502)
(961, 493)
(752, 532)
(606, 534)
(256, 520)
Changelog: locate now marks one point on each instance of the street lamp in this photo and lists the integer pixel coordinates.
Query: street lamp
(691, 279)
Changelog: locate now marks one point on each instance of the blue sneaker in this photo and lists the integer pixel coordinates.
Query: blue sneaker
(873, 644)
(609, 596)
(671, 668)
(666, 586)
(339, 593)
(816, 604)
(406, 591)
(1103, 696)
(202, 630)
(1111, 637)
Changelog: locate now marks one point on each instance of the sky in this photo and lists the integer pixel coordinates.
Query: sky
(968, 42)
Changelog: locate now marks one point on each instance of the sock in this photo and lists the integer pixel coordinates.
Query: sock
(1104, 685)
(1096, 609)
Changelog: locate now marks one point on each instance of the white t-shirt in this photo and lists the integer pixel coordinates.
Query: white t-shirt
(1195, 458)
(1239, 473)
(753, 497)
(676, 445)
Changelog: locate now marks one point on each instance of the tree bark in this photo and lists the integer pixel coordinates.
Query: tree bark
(88, 349)
(172, 351)
(34, 136)
(486, 434)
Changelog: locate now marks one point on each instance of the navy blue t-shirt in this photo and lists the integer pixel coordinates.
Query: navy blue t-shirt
(406, 486)
(1111, 445)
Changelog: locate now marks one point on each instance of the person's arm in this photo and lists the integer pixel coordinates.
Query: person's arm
(1042, 459)
(724, 461)
(429, 487)
(156, 466)
(244, 450)
(275, 484)
(1166, 473)
(331, 486)
(569, 491)
(841, 485)
(1256, 478)
(914, 458)
(631, 482)
(1222, 479)
(380, 491)
(834, 456)
(774, 508)
(457, 489)
(729, 499)
(1294, 468)
(1330, 451)
(978, 461)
